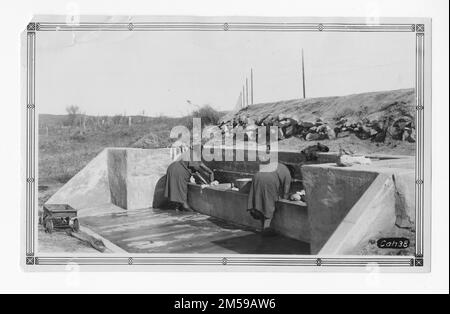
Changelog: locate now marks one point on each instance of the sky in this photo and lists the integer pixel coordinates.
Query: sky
(157, 73)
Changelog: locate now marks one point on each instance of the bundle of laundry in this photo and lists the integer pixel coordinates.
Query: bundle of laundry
(310, 152)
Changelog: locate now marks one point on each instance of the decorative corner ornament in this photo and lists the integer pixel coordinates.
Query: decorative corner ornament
(420, 28)
(31, 27)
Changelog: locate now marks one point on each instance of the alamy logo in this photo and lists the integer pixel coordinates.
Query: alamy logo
(213, 143)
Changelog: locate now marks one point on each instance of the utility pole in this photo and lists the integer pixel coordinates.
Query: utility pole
(241, 100)
(243, 96)
(303, 74)
(251, 85)
(246, 90)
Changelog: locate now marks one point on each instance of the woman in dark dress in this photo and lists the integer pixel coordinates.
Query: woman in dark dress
(269, 185)
(179, 174)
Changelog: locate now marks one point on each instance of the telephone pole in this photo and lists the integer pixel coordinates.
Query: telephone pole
(246, 91)
(303, 74)
(251, 85)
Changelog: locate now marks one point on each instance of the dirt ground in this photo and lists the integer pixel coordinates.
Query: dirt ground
(60, 242)
(371, 248)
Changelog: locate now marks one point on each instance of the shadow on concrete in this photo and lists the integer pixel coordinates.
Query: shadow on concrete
(227, 225)
(256, 243)
(159, 200)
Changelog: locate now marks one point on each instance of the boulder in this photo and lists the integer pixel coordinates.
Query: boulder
(296, 118)
(331, 133)
(362, 135)
(312, 137)
(344, 133)
(322, 128)
(365, 129)
(323, 136)
(409, 135)
(402, 123)
(395, 133)
(306, 124)
(348, 161)
(379, 137)
(291, 130)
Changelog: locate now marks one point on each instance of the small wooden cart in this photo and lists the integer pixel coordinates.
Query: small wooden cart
(60, 216)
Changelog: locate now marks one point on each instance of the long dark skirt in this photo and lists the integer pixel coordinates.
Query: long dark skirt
(178, 177)
(264, 192)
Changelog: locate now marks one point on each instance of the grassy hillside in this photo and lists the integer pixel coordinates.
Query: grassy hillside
(65, 149)
(374, 105)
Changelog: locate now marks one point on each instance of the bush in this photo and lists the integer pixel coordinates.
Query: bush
(207, 114)
(78, 136)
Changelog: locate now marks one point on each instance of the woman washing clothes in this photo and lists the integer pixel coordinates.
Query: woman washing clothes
(179, 175)
(271, 183)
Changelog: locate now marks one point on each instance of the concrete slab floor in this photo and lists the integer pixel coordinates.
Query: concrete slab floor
(168, 231)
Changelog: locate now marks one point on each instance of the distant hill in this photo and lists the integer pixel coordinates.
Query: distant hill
(51, 119)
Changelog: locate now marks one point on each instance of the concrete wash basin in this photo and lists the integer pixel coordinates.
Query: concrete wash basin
(345, 206)
(290, 218)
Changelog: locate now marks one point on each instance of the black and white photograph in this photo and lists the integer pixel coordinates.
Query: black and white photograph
(224, 154)
(226, 141)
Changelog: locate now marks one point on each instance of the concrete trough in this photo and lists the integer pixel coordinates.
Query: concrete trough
(345, 206)
(290, 218)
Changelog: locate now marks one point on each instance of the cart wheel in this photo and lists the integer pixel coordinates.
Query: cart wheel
(76, 225)
(49, 226)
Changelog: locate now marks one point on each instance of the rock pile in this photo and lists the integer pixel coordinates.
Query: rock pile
(402, 128)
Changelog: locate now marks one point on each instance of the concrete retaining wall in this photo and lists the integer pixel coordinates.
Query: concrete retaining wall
(145, 168)
(330, 194)
(117, 174)
(239, 169)
(134, 174)
(349, 206)
(125, 177)
(378, 213)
